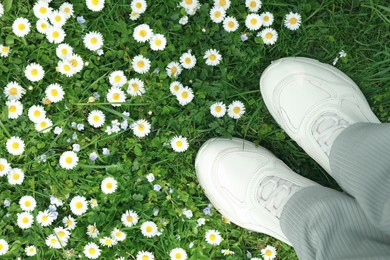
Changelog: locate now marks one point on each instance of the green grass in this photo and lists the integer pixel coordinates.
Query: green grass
(361, 28)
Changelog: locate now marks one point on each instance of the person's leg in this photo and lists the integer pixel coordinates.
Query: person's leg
(360, 163)
(322, 223)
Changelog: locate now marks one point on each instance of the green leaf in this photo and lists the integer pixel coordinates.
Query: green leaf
(7, 5)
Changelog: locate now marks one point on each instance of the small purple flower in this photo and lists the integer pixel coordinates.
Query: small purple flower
(157, 187)
(7, 203)
(244, 37)
(106, 151)
(76, 148)
(93, 156)
(73, 124)
(52, 208)
(207, 211)
(74, 136)
(96, 95)
(80, 127)
(80, 19)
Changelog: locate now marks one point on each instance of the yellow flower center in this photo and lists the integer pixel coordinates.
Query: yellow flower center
(42, 10)
(188, 2)
(178, 255)
(56, 34)
(266, 18)
(236, 110)
(142, 33)
(34, 72)
(68, 160)
(69, 223)
(141, 127)
(67, 67)
(61, 234)
(31, 250)
(173, 70)
(57, 18)
(145, 257)
(4, 49)
(67, 10)
(187, 60)
(158, 42)
(212, 57)
(253, 21)
(43, 124)
(141, 64)
(176, 88)
(108, 241)
(94, 40)
(118, 234)
(45, 218)
(27, 203)
(16, 176)
(213, 237)
(116, 96)
(217, 14)
(43, 25)
(95, 2)
(54, 92)
(135, 87)
(218, 109)
(138, 5)
(293, 20)
(2, 167)
(64, 51)
(96, 118)
(21, 27)
(74, 63)
(129, 218)
(222, 2)
(268, 253)
(179, 143)
(149, 229)
(231, 24)
(117, 78)
(79, 204)
(37, 113)
(184, 94)
(1, 247)
(53, 241)
(15, 145)
(25, 220)
(252, 4)
(109, 185)
(12, 109)
(92, 251)
(13, 91)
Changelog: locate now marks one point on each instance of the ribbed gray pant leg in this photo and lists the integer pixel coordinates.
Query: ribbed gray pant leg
(322, 223)
(360, 163)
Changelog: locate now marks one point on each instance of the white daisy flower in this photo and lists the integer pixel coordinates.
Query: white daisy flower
(15, 176)
(187, 60)
(1, 10)
(136, 87)
(179, 144)
(236, 109)
(185, 96)
(95, 5)
(109, 185)
(253, 5)
(142, 33)
(189, 4)
(55, 35)
(30, 250)
(42, 10)
(269, 36)
(174, 69)
(69, 222)
(96, 118)
(183, 20)
(44, 126)
(178, 254)
(267, 19)
(212, 57)
(140, 64)
(76, 61)
(217, 14)
(158, 42)
(57, 18)
(13, 91)
(218, 109)
(138, 6)
(92, 231)
(134, 16)
(78, 205)
(117, 78)
(145, 255)
(118, 235)
(62, 233)
(68, 160)
(149, 229)
(116, 95)
(141, 128)
(3, 247)
(42, 26)
(21, 27)
(93, 203)
(53, 242)
(54, 93)
(175, 87)
(225, 4)
(91, 250)
(268, 253)
(15, 108)
(253, 22)
(213, 237)
(227, 252)
(15, 145)
(63, 51)
(25, 220)
(230, 24)
(66, 68)
(108, 241)
(5, 167)
(36, 113)
(4, 50)
(93, 41)
(45, 218)
(34, 72)
(129, 218)
(292, 21)
(67, 9)
(27, 203)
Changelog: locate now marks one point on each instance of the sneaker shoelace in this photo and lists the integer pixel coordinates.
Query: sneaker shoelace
(274, 192)
(326, 128)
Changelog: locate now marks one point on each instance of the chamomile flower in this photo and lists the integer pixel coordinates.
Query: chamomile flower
(15, 145)
(27, 203)
(42, 10)
(15, 176)
(129, 218)
(109, 185)
(95, 5)
(3, 247)
(96, 118)
(187, 60)
(142, 33)
(189, 4)
(253, 22)
(175, 87)
(13, 91)
(45, 218)
(141, 128)
(136, 87)
(62, 233)
(268, 253)
(78, 205)
(225, 4)
(213, 237)
(292, 21)
(217, 14)
(212, 57)
(53, 242)
(36, 113)
(138, 6)
(15, 108)
(92, 231)
(93, 203)
(91, 250)
(178, 254)
(57, 18)
(134, 16)
(218, 109)
(158, 42)
(34, 72)
(236, 109)
(66, 68)
(174, 69)
(69, 222)
(227, 252)
(253, 5)
(179, 144)
(5, 167)
(4, 50)
(30, 251)
(21, 27)
(117, 78)
(67, 9)
(145, 255)
(25, 220)
(44, 126)
(54, 93)
(93, 41)
(185, 96)
(140, 64)
(149, 229)
(76, 61)
(116, 95)
(267, 19)
(230, 24)
(108, 241)
(55, 35)
(118, 235)
(64, 50)
(68, 160)
(42, 26)
(269, 36)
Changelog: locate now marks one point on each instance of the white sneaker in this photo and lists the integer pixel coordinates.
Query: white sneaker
(247, 184)
(313, 102)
